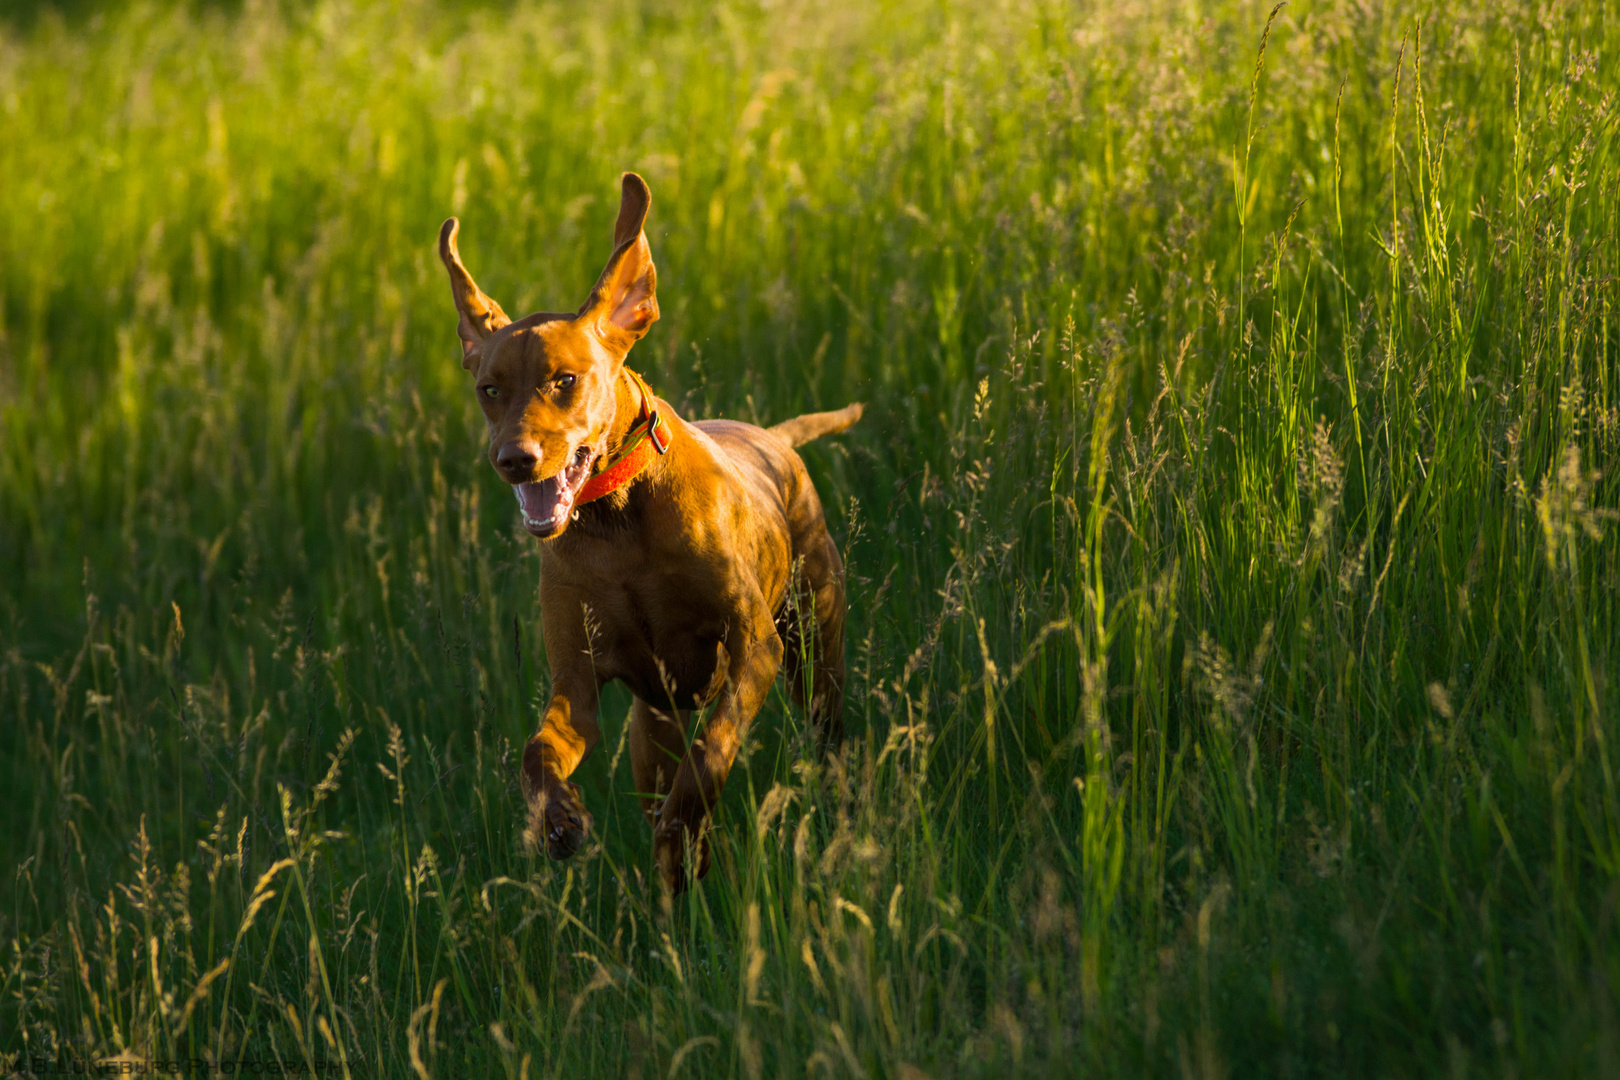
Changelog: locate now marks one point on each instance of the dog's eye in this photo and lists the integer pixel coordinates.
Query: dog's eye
(565, 382)
(492, 391)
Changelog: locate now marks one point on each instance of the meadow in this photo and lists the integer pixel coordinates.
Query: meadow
(1231, 536)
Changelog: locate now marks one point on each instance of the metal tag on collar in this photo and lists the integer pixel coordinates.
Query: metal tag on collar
(658, 431)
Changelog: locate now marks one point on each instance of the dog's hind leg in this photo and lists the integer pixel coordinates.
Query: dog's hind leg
(816, 612)
(657, 745)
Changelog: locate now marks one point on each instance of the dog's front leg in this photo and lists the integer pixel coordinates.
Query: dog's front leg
(557, 817)
(750, 659)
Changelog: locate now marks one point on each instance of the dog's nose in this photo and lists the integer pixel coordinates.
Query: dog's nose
(516, 459)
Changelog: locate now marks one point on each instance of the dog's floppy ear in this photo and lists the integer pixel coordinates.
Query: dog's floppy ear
(625, 302)
(480, 316)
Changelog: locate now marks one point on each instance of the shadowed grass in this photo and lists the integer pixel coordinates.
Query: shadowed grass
(1231, 537)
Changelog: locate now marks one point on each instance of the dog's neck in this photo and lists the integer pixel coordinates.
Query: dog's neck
(617, 511)
(627, 404)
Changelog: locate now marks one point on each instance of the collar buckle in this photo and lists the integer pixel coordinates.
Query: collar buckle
(658, 430)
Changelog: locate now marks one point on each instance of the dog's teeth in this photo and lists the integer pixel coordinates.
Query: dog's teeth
(575, 516)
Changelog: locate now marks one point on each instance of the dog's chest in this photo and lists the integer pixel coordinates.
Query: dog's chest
(660, 636)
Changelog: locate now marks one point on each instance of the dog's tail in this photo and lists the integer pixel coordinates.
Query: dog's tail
(801, 429)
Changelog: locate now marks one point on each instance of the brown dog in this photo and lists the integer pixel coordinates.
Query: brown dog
(682, 559)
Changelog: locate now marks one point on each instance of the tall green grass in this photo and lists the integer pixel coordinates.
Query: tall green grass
(1231, 537)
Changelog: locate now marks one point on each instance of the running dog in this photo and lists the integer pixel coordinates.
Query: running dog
(690, 561)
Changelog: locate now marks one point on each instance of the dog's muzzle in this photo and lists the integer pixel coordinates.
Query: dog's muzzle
(548, 504)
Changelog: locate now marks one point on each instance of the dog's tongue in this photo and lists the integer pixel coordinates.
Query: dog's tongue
(546, 504)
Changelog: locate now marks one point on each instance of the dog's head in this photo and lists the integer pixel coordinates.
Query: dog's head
(548, 383)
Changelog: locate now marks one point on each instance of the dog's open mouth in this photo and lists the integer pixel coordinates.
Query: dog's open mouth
(547, 504)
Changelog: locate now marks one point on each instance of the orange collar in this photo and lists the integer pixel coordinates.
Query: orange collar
(650, 435)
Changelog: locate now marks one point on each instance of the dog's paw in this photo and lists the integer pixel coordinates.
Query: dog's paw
(682, 851)
(558, 821)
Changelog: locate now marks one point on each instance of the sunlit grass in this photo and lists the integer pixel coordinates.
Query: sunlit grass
(1231, 537)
